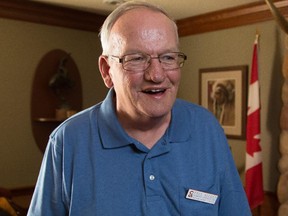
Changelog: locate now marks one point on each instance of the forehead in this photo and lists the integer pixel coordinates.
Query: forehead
(141, 27)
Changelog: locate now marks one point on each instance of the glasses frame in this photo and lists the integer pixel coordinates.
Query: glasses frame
(121, 60)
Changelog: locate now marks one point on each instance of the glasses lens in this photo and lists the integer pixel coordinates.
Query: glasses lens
(172, 60)
(137, 61)
(141, 61)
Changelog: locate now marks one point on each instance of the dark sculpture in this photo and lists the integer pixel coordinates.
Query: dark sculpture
(61, 83)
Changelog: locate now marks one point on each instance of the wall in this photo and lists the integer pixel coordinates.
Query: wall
(234, 47)
(22, 46)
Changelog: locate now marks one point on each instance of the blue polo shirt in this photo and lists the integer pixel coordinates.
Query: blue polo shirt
(92, 167)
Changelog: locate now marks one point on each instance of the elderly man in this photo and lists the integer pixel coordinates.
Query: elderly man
(141, 151)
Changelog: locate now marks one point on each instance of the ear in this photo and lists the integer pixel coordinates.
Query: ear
(104, 68)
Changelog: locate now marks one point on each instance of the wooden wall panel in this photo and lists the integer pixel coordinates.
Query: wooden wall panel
(51, 15)
(228, 18)
(71, 18)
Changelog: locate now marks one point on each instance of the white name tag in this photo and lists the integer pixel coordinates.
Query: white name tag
(201, 196)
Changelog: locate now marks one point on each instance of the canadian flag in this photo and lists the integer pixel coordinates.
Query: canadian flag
(253, 176)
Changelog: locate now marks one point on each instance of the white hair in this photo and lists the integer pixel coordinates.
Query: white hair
(118, 12)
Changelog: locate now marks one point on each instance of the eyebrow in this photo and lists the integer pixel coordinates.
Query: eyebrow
(159, 53)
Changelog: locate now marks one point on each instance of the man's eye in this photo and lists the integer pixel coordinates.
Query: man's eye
(168, 57)
(135, 59)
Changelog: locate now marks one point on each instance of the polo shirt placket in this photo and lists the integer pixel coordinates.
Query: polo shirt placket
(155, 202)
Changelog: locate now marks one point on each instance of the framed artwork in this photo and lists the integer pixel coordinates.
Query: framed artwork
(223, 91)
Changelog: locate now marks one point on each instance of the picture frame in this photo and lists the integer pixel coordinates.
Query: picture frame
(223, 91)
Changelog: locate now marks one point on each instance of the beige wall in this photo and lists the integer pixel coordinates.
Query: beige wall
(234, 47)
(22, 45)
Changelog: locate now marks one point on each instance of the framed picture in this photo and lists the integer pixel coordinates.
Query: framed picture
(223, 91)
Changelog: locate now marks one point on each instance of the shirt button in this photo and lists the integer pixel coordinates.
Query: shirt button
(152, 177)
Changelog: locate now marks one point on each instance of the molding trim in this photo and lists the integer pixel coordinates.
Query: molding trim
(60, 16)
(51, 15)
(229, 18)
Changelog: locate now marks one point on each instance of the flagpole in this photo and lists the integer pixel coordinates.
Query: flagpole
(257, 36)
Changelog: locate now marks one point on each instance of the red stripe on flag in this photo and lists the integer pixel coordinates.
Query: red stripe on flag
(254, 188)
(254, 176)
(254, 74)
(252, 129)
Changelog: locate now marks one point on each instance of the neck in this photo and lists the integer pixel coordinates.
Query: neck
(146, 130)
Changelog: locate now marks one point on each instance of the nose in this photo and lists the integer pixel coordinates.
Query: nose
(155, 71)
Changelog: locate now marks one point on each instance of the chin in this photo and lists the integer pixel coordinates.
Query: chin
(158, 111)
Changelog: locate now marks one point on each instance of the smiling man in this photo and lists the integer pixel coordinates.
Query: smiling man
(143, 66)
(140, 152)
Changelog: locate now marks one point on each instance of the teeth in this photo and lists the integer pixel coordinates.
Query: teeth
(154, 91)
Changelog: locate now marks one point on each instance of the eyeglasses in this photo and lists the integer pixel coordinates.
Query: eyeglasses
(142, 61)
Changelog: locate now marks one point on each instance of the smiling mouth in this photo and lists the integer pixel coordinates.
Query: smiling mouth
(154, 91)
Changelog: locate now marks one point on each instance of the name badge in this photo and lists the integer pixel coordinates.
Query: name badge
(201, 196)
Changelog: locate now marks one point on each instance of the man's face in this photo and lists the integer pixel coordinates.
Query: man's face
(150, 93)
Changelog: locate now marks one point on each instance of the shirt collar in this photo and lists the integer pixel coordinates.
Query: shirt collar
(114, 136)
(182, 122)
(111, 132)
